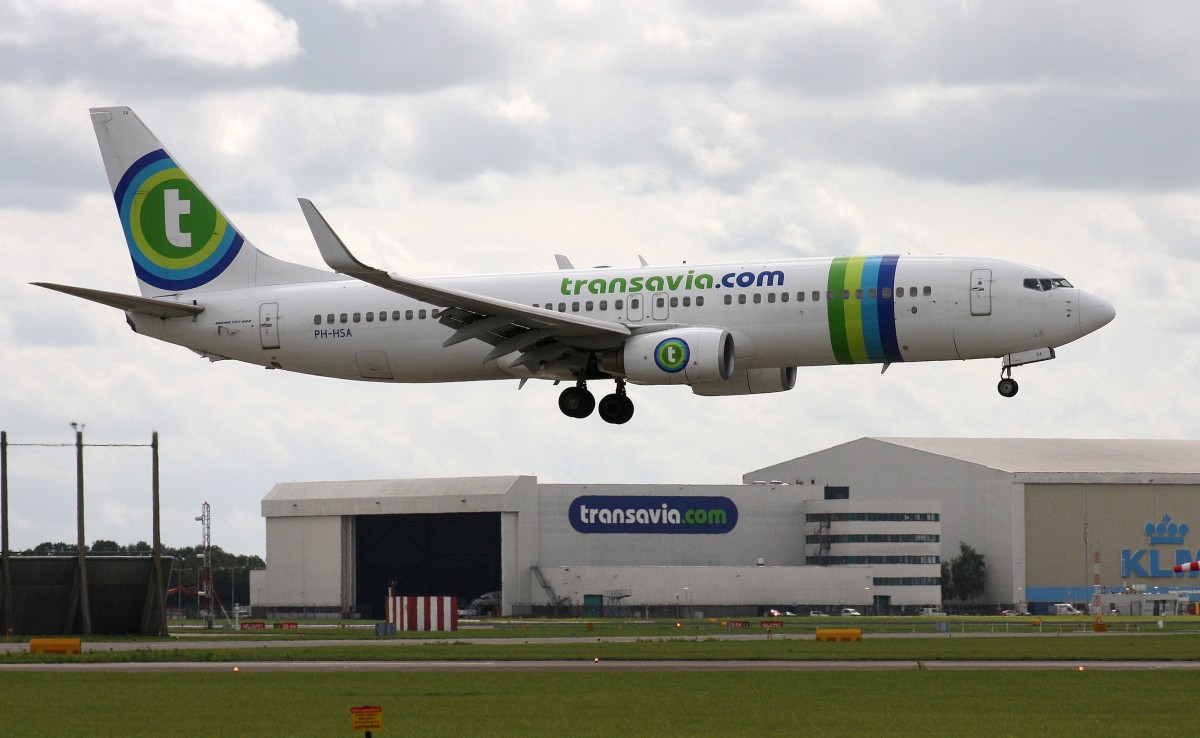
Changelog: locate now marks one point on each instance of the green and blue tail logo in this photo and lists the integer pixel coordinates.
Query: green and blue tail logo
(177, 237)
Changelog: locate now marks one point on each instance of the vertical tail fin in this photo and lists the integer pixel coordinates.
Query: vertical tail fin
(178, 239)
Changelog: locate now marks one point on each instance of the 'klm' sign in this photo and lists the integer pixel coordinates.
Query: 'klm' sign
(1148, 564)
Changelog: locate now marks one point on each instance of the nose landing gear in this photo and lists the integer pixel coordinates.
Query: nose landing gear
(1007, 386)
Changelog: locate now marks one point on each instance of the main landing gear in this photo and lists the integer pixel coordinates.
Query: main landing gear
(578, 402)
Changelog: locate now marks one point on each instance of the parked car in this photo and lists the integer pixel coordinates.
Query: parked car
(817, 614)
(1064, 608)
(850, 612)
(485, 603)
(1009, 613)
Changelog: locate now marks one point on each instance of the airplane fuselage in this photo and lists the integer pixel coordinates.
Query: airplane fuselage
(793, 313)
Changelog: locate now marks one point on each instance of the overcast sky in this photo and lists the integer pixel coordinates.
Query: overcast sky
(466, 137)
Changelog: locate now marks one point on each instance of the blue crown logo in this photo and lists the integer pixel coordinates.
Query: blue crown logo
(1166, 531)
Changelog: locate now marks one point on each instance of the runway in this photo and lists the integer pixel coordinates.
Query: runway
(600, 665)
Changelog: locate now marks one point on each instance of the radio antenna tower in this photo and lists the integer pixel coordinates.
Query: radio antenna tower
(206, 554)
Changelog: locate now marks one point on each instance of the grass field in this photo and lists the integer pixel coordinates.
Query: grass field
(926, 703)
(643, 703)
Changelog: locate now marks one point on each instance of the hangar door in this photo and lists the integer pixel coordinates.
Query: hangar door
(442, 554)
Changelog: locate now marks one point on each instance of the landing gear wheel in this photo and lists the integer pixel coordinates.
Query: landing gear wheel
(1007, 387)
(576, 402)
(616, 409)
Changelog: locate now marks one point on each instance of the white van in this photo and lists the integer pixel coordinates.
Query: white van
(850, 612)
(1064, 608)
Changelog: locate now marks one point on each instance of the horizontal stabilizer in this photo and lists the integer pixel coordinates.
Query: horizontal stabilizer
(146, 305)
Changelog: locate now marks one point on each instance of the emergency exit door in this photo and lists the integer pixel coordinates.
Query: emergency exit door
(981, 292)
(268, 325)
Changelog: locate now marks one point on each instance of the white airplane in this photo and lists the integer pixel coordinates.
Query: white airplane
(722, 329)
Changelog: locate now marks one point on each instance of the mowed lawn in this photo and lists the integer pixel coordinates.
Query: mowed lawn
(904, 703)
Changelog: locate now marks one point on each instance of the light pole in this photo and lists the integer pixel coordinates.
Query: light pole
(84, 605)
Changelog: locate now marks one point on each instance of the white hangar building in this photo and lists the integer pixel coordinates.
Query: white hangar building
(863, 524)
(1054, 518)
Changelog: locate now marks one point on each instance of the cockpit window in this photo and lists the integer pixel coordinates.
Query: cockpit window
(1045, 285)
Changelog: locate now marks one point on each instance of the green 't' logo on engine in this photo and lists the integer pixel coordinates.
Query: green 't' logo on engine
(672, 355)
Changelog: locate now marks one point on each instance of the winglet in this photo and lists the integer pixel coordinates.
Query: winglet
(333, 251)
(563, 262)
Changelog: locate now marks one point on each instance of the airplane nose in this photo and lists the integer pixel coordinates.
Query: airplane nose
(1094, 312)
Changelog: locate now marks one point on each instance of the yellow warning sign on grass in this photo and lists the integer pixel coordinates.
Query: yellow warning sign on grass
(366, 717)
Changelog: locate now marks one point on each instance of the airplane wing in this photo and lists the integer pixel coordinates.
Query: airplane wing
(541, 335)
(147, 305)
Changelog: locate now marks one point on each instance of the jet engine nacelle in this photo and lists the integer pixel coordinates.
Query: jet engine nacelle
(750, 382)
(683, 356)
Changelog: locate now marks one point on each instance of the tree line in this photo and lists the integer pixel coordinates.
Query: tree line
(230, 571)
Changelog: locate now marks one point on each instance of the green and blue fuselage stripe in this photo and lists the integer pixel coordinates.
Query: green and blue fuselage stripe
(862, 309)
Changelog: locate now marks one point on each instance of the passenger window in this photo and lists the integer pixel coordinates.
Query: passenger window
(887, 292)
(395, 315)
(728, 299)
(928, 290)
(858, 294)
(757, 298)
(604, 304)
(382, 316)
(344, 318)
(435, 312)
(562, 307)
(358, 317)
(699, 300)
(742, 299)
(421, 314)
(370, 317)
(674, 302)
(799, 297)
(329, 319)
(687, 301)
(316, 320)
(899, 292)
(618, 305)
(660, 302)
(408, 315)
(871, 294)
(845, 294)
(574, 307)
(634, 303)
(783, 297)
(816, 296)
(588, 305)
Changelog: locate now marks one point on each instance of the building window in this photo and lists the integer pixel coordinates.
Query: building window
(837, 493)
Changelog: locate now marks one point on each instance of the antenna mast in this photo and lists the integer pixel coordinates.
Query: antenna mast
(206, 554)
